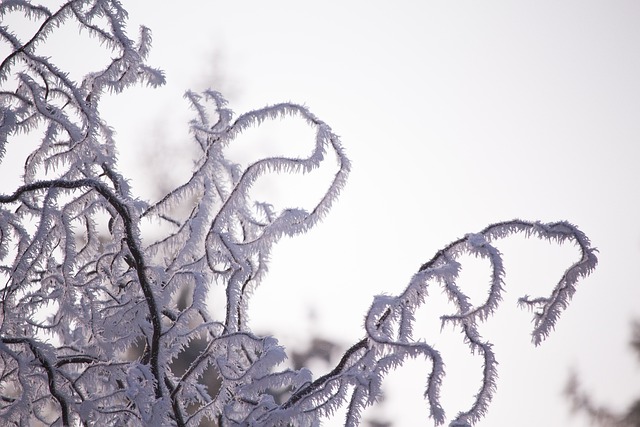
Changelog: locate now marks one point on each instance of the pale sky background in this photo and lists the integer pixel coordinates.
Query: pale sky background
(455, 114)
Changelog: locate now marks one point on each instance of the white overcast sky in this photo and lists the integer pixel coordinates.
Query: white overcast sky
(455, 114)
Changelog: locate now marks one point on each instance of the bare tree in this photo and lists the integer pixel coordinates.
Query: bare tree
(73, 303)
(600, 415)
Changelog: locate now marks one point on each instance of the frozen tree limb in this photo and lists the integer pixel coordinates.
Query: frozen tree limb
(76, 299)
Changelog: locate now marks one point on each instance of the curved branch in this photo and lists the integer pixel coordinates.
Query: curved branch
(131, 238)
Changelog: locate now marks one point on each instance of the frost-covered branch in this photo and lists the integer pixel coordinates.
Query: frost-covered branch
(389, 323)
(83, 288)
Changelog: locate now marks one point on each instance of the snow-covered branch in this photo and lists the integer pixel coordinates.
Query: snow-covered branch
(83, 288)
